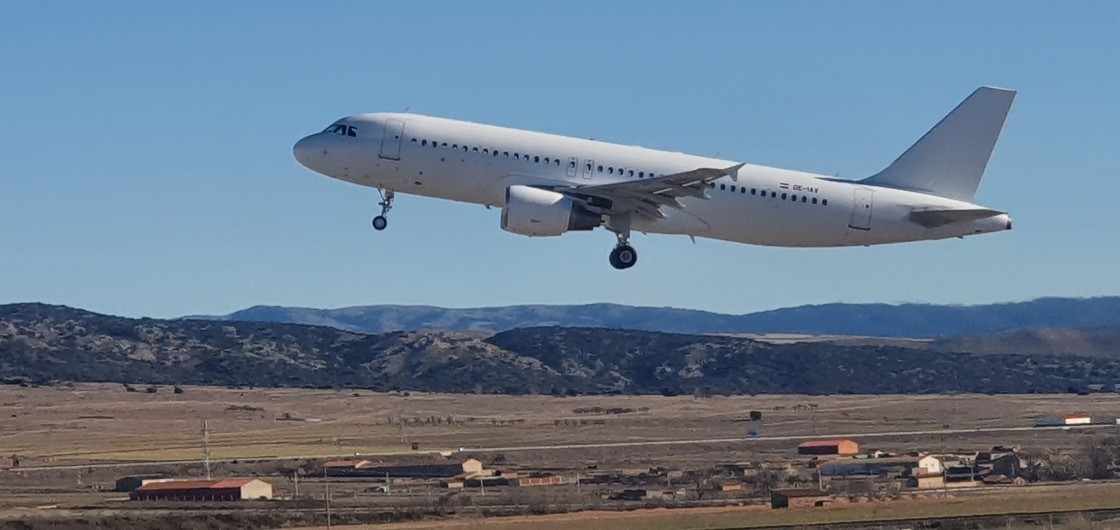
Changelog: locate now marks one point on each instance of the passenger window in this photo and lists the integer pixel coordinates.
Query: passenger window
(465, 149)
(413, 140)
(641, 174)
(505, 154)
(631, 172)
(753, 190)
(454, 146)
(547, 160)
(572, 164)
(424, 143)
(600, 169)
(475, 149)
(723, 186)
(803, 198)
(814, 200)
(610, 170)
(485, 150)
(824, 202)
(773, 195)
(783, 196)
(445, 144)
(793, 198)
(588, 167)
(743, 190)
(516, 156)
(557, 162)
(732, 187)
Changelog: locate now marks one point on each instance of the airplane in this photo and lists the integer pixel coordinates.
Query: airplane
(547, 185)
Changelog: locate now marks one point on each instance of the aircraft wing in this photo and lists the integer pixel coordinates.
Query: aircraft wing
(937, 217)
(646, 197)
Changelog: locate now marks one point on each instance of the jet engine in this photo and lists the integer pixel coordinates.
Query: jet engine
(535, 212)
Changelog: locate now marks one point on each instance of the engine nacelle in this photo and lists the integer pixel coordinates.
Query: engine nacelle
(535, 212)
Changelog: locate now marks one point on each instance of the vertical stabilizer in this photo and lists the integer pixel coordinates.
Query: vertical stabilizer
(950, 159)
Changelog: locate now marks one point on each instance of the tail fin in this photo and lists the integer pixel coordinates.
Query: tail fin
(950, 159)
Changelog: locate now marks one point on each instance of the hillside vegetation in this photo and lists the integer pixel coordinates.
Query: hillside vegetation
(43, 343)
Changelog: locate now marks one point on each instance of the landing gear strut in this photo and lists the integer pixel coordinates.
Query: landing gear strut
(623, 256)
(386, 204)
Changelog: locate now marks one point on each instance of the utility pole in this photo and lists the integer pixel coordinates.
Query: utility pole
(327, 496)
(206, 447)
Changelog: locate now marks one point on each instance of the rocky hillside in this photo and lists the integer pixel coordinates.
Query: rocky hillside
(877, 320)
(42, 343)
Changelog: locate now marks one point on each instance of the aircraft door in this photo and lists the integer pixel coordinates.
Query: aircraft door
(588, 166)
(572, 163)
(862, 202)
(391, 140)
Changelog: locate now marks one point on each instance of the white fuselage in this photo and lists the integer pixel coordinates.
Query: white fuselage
(476, 163)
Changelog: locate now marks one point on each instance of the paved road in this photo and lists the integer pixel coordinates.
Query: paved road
(645, 443)
(860, 435)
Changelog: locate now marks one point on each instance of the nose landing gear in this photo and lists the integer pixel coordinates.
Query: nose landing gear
(386, 204)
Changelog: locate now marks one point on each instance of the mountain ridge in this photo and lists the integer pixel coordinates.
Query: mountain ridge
(873, 319)
(40, 344)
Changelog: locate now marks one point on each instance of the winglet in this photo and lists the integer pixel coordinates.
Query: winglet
(733, 171)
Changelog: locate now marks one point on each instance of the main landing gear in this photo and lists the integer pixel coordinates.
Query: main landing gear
(623, 256)
(386, 204)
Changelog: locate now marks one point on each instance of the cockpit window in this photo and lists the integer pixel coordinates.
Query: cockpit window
(342, 130)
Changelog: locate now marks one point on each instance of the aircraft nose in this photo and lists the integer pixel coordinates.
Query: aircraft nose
(307, 151)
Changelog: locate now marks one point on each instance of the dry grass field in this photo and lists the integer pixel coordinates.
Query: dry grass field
(1036, 500)
(91, 433)
(103, 423)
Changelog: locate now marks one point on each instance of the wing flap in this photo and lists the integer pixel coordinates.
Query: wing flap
(647, 197)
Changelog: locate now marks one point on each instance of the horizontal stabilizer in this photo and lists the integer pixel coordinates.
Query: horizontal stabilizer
(936, 218)
(950, 159)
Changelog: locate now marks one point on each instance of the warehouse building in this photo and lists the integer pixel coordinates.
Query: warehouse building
(546, 480)
(1064, 419)
(133, 482)
(203, 490)
(798, 498)
(905, 466)
(829, 447)
(365, 468)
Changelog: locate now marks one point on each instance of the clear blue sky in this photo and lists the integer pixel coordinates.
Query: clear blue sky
(146, 166)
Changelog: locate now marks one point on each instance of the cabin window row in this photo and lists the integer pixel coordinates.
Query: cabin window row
(622, 172)
(536, 159)
(793, 197)
(486, 151)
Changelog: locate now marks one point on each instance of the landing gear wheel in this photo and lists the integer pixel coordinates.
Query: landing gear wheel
(623, 257)
(386, 204)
